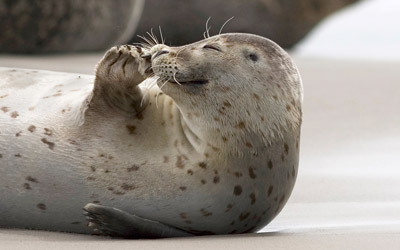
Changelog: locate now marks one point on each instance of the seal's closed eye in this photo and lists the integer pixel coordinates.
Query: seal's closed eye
(213, 47)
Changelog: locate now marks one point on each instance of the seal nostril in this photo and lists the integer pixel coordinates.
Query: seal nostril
(159, 53)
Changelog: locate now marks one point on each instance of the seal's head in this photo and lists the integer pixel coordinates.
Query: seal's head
(239, 81)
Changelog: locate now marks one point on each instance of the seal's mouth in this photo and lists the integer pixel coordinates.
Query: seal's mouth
(194, 82)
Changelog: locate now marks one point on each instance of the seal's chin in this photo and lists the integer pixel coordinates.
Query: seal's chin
(194, 82)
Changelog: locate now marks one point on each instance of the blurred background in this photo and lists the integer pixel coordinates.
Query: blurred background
(347, 51)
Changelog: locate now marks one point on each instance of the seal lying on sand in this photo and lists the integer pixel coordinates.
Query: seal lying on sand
(215, 151)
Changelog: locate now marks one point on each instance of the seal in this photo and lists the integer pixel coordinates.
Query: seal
(214, 149)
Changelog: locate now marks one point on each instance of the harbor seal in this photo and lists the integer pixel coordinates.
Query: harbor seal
(214, 149)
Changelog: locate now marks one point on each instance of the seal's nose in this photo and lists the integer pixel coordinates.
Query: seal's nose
(159, 53)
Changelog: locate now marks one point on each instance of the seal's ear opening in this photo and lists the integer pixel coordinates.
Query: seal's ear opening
(253, 57)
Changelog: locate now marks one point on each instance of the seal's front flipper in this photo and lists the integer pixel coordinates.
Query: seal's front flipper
(117, 223)
(118, 75)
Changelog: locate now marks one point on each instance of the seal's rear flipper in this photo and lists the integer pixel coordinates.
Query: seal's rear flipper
(118, 75)
(117, 223)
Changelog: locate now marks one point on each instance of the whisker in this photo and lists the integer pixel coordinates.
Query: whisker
(150, 42)
(223, 25)
(162, 85)
(176, 80)
(153, 36)
(162, 38)
(177, 53)
(207, 28)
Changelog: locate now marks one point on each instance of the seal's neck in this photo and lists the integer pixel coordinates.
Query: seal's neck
(210, 135)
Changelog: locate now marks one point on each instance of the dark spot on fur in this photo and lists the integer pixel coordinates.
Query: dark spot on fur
(249, 145)
(227, 104)
(224, 138)
(179, 162)
(131, 129)
(18, 155)
(126, 186)
(213, 147)
(283, 157)
(270, 165)
(244, 216)
(96, 202)
(270, 189)
(49, 143)
(139, 116)
(237, 190)
(48, 131)
(93, 168)
(1, 156)
(3, 96)
(253, 198)
(241, 125)
(190, 172)
(41, 206)
(252, 174)
(205, 213)
(203, 165)
(256, 96)
(31, 179)
(183, 188)
(203, 181)
(228, 208)
(183, 215)
(5, 109)
(27, 186)
(286, 148)
(166, 159)
(206, 155)
(18, 134)
(238, 174)
(133, 168)
(31, 128)
(14, 114)
(216, 179)
(288, 108)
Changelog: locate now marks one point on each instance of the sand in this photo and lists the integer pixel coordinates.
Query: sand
(347, 195)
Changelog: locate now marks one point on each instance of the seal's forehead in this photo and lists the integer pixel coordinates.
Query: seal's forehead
(262, 43)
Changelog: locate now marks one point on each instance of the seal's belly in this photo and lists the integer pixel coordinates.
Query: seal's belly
(37, 170)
